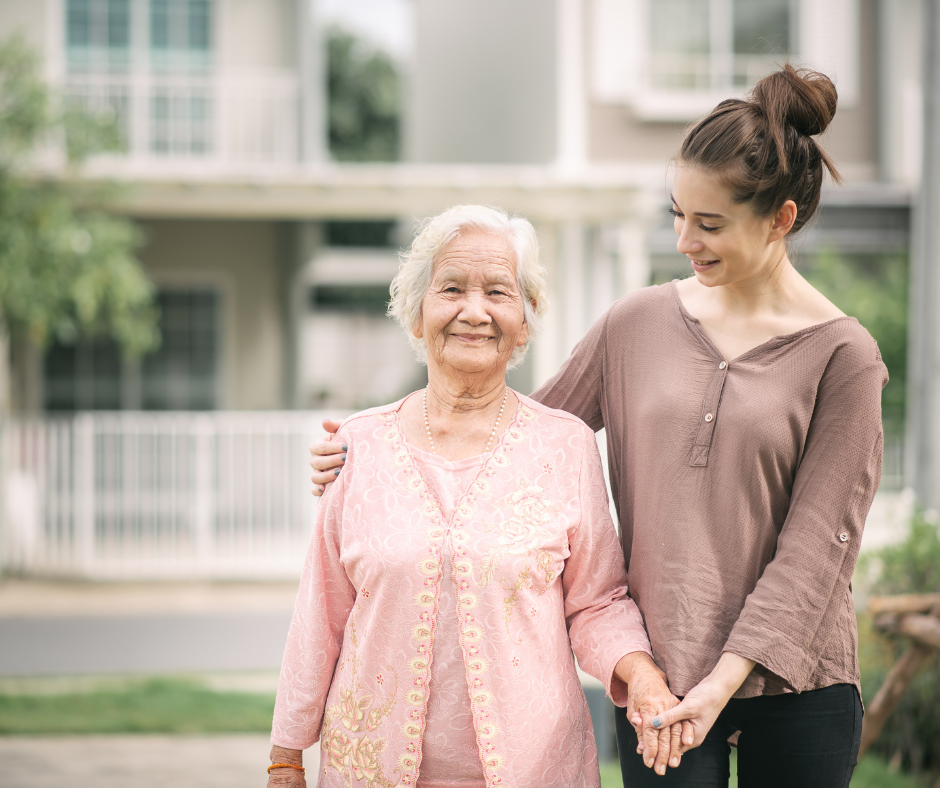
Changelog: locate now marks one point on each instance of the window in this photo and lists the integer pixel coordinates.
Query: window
(85, 376)
(146, 61)
(98, 34)
(716, 45)
(181, 375)
(674, 60)
(180, 34)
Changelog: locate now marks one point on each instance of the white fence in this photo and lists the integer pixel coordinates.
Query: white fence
(157, 495)
(187, 495)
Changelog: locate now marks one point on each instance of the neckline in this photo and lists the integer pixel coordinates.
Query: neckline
(768, 344)
(488, 458)
(437, 459)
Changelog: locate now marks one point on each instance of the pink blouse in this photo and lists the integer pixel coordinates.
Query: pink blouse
(535, 570)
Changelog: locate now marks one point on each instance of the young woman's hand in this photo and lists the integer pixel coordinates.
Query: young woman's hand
(326, 458)
(648, 695)
(700, 708)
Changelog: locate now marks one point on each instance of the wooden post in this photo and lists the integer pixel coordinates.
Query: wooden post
(900, 676)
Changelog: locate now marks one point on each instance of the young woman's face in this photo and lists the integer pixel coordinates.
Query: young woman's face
(725, 241)
(472, 316)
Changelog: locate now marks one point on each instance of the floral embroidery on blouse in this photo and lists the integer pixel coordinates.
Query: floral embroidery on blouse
(357, 757)
(520, 534)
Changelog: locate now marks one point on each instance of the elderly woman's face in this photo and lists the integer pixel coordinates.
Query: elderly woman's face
(472, 316)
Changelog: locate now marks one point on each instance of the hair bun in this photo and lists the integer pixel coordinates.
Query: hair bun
(801, 98)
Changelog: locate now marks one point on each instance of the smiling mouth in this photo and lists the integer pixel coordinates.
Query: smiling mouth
(476, 339)
(702, 263)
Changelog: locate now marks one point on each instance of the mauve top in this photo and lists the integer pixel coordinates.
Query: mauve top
(742, 487)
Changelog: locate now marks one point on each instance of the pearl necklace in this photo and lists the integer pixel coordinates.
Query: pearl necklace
(427, 424)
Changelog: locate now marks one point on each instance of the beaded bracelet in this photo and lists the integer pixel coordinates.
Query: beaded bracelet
(285, 765)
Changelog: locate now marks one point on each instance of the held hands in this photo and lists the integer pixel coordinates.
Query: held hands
(649, 696)
(326, 458)
(700, 708)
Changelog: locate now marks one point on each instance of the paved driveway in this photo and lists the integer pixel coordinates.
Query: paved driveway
(225, 761)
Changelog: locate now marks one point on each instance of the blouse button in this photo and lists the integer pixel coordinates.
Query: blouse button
(708, 417)
(722, 365)
(843, 537)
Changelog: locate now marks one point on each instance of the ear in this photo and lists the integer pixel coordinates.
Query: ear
(524, 334)
(417, 329)
(783, 220)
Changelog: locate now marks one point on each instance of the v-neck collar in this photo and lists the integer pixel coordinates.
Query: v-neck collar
(485, 468)
(695, 326)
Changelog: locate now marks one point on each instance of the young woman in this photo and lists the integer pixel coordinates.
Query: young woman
(743, 423)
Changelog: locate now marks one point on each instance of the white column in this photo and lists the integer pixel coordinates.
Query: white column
(633, 254)
(544, 350)
(923, 409)
(571, 99)
(571, 267)
(311, 78)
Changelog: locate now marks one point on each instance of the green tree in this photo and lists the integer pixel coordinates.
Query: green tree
(67, 267)
(364, 100)
(872, 288)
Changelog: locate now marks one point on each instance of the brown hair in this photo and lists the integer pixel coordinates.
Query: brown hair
(764, 145)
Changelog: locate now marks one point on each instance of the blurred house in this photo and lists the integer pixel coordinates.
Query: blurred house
(273, 260)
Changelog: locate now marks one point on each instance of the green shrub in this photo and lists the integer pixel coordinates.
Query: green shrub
(911, 736)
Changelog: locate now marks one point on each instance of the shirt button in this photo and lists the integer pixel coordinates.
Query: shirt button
(722, 365)
(708, 417)
(843, 537)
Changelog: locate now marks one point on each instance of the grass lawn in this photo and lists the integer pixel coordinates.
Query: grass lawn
(872, 772)
(147, 706)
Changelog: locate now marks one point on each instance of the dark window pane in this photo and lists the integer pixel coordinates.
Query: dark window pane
(78, 22)
(375, 233)
(160, 24)
(761, 27)
(181, 375)
(371, 299)
(119, 23)
(200, 24)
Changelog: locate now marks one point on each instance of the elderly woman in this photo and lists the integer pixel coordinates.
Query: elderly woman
(462, 556)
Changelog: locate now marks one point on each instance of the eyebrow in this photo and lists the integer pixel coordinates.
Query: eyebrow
(454, 275)
(704, 215)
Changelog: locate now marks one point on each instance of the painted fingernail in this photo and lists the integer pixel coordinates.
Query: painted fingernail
(343, 458)
(656, 722)
(320, 487)
(345, 448)
(336, 472)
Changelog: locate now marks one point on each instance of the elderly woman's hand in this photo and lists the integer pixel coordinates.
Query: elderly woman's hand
(648, 695)
(700, 708)
(326, 458)
(285, 777)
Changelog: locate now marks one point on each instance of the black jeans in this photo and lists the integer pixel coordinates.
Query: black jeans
(809, 740)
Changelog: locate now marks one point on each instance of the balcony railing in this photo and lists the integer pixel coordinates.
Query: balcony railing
(214, 121)
(157, 495)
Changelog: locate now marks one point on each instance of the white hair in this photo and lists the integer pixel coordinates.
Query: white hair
(414, 274)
